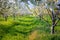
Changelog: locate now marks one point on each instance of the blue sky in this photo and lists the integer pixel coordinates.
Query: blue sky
(30, 4)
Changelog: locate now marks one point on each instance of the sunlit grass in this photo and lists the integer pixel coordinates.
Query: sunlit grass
(22, 27)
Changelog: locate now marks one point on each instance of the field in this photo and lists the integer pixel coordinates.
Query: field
(28, 27)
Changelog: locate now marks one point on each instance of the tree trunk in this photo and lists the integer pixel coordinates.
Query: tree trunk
(6, 17)
(14, 16)
(53, 23)
(52, 29)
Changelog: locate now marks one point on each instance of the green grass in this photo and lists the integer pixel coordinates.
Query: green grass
(21, 28)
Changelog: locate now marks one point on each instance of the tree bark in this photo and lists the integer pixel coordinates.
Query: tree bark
(53, 23)
(6, 17)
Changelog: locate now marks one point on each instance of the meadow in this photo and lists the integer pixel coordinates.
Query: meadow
(28, 27)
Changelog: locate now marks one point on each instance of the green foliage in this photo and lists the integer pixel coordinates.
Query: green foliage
(48, 37)
(18, 36)
(23, 26)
